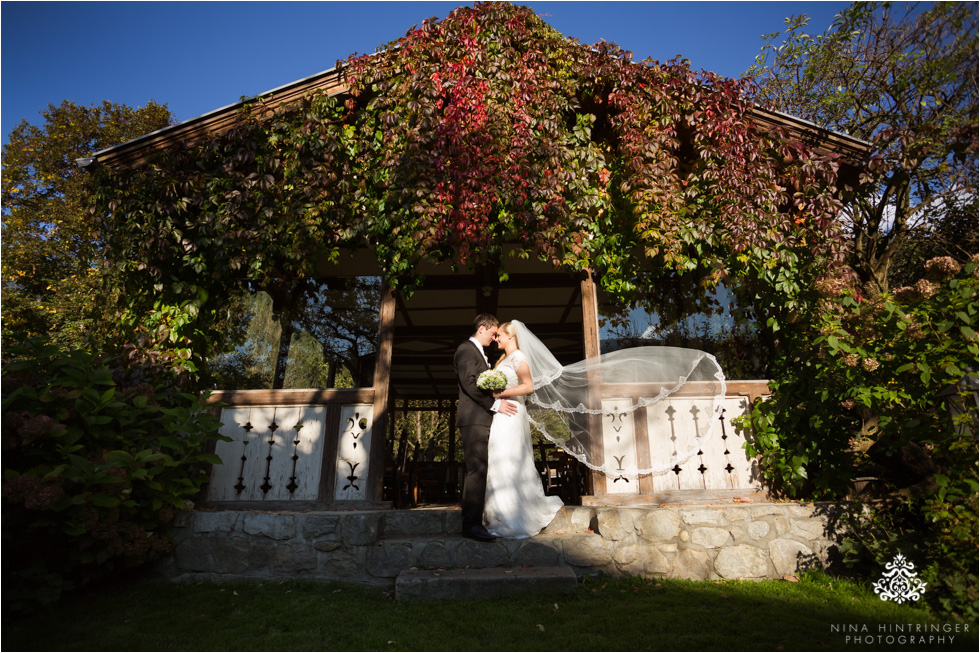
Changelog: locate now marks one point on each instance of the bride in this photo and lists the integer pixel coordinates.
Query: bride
(563, 402)
(516, 506)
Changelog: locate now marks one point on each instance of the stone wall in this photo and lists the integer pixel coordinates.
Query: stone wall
(759, 540)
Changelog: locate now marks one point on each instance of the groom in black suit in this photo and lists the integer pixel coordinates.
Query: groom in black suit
(474, 413)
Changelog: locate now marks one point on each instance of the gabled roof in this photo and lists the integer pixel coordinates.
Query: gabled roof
(852, 151)
(217, 121)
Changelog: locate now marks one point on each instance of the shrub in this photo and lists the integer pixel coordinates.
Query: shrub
(94, 468)
(870, 393)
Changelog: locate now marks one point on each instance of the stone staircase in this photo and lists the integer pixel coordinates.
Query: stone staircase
(420, 553)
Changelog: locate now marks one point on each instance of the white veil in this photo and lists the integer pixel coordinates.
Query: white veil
(571, 403)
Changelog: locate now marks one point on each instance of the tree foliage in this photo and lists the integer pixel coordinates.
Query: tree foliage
(485, 128)
(51, 262)
(905, 80)
(331, 337)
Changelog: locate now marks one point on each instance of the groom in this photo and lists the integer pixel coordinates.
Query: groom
(474, 413)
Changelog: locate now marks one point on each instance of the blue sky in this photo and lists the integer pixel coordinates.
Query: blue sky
(200, 56)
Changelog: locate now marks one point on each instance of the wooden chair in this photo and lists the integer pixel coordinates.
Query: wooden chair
(431, 482)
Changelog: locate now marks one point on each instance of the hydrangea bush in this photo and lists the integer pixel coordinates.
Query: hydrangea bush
(880, 391)
(93, 469)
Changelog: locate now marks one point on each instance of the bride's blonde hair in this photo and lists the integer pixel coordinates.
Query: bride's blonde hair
(508, 328)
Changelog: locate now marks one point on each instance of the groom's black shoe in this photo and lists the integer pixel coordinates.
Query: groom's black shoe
(479, 533)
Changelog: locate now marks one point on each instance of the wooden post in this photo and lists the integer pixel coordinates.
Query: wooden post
(453, 490)
(590, 316)
(640, 432)
(382, 385)
(328, 470)
(591, 346)
(418, 436)
(390, 453)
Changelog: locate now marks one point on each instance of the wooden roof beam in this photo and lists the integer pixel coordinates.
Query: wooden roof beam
(218, 121)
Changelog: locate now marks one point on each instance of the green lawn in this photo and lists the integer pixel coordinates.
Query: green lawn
(818, 613)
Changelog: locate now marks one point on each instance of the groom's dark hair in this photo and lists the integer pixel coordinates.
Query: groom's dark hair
(484, 320)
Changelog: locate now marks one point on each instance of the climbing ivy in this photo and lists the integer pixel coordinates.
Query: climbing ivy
(486, 128)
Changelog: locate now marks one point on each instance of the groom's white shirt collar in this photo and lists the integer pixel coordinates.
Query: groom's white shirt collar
(479, 348)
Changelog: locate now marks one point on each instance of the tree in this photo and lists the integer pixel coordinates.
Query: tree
(907, 82)
(50, 254)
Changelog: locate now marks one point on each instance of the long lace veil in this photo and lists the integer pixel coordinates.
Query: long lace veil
(576, 406)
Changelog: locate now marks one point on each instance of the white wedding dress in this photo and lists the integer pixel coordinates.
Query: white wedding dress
(516, 506)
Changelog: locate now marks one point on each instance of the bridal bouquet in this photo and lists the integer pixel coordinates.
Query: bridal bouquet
(492, 380)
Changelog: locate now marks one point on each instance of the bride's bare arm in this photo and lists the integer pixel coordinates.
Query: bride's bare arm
(525, 387)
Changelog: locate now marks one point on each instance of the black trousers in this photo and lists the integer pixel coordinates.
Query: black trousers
(475, 440)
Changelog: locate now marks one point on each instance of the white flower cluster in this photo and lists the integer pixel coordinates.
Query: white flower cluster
(492, 380)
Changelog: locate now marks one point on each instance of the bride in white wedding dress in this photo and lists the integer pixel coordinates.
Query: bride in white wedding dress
(563, 403)
(516, 506)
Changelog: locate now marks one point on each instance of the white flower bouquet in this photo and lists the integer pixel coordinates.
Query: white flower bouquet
(492, 380)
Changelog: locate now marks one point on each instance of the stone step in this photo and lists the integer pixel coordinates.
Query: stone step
(392, 556)
(468, 584)
(447, 521)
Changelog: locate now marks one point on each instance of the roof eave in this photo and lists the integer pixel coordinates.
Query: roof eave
(135, 151)
(852, 150)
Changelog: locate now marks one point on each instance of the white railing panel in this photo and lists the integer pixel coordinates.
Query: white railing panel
(619, 445)
(663, 443)
(354, 452)
(720, 463)
(235, 425)
(744, 471)
(713, 459)
(275, 454)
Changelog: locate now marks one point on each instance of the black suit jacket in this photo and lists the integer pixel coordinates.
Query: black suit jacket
(474, 404)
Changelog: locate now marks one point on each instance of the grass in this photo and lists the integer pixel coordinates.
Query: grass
(604, 614)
